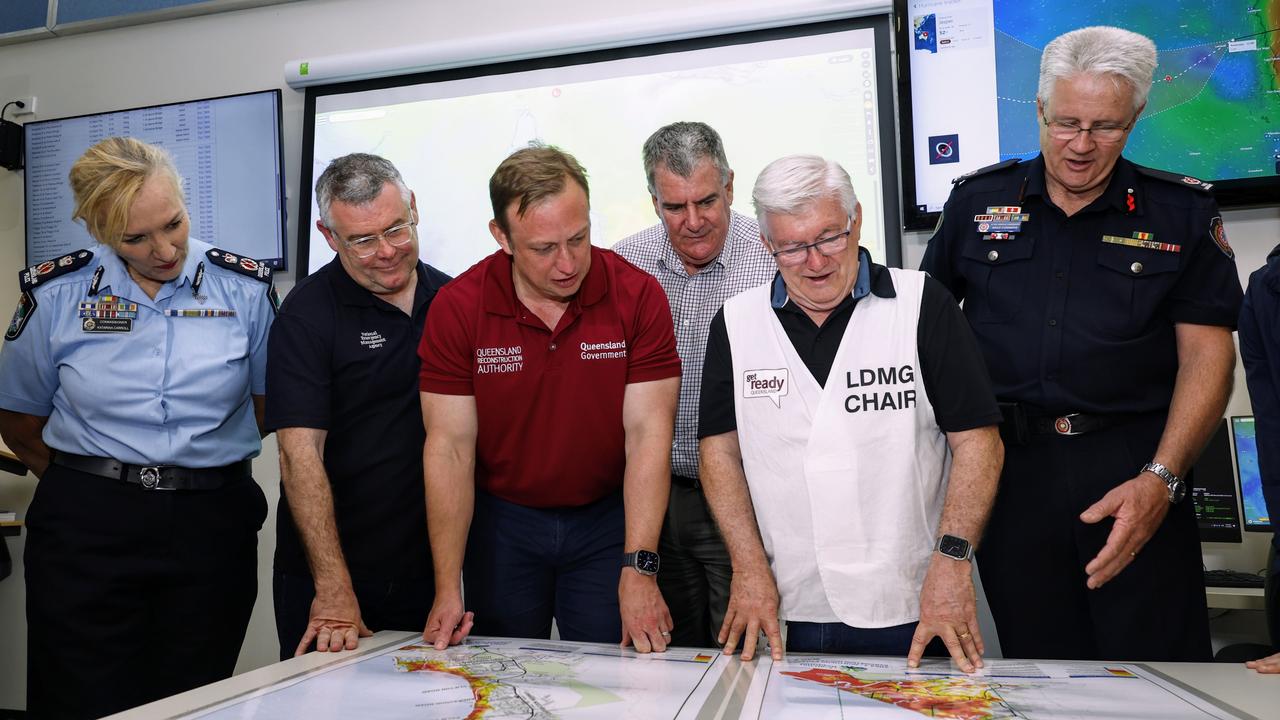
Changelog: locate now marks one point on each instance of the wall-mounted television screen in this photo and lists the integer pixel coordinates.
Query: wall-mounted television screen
(969, 70)
(227, 150)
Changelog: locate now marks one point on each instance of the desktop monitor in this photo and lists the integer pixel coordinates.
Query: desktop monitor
(1213, 491)
(1256, 517)
(227, 150)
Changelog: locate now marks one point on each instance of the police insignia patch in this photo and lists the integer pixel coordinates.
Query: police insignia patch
(244, 266)
(21, 315)
(1219, 235)
(50, 269)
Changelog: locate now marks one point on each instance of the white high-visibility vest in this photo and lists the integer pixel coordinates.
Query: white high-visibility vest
(847, 481)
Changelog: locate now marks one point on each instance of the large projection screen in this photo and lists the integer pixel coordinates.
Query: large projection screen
(821, 88)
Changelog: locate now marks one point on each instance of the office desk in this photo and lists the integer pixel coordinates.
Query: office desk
(1232, 598)
(10, 462)
(1234, 684)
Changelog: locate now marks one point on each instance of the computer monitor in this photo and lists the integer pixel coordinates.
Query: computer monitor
(227, 150)
(1256, 517)
(1213, 491)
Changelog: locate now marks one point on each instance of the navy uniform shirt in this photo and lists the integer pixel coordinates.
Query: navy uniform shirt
(1077, 314)
(1260, 351)
(346, 362)
(162, 381)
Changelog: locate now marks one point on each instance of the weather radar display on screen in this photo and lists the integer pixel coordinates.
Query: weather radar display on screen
(1213, 112)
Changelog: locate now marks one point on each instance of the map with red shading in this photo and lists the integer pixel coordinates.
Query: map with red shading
(494, 679)
(954, 698)
(866, 687)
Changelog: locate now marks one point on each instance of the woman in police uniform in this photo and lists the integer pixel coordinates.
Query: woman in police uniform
(131, 382)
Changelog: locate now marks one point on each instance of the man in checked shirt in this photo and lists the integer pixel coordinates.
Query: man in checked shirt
(702, 253)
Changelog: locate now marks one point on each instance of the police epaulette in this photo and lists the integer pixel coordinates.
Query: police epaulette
(243, 265)
(984, 170)
(50, 269)
(1186, 180)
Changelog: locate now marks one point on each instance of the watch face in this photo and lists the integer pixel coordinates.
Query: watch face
(1177, 491)
(953, 546)
(647, 562)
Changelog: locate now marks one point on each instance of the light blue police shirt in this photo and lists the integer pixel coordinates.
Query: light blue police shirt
(172, 390)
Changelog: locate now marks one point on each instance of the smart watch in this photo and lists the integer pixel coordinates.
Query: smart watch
(1177, 488)
(956, 548)
(645, 562)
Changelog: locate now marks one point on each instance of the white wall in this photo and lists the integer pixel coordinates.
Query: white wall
(219, 55)
(246, 50)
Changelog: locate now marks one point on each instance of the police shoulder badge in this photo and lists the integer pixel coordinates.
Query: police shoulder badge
(1219, 236)
(1184, 180)
(255, 269)
(245, 266)
(35, 275)
(26, 306)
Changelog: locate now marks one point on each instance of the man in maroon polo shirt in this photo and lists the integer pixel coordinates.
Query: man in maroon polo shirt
(549, 386)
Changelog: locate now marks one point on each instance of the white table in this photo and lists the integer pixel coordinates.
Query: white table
(1233, 684)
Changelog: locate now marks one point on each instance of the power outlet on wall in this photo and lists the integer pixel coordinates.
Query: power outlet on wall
(30, 106)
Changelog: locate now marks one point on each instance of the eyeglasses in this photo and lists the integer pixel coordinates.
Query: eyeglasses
(1101, 133)
(396, 236)
(794, 254)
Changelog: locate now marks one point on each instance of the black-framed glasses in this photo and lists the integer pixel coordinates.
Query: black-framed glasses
(1100, 132)
(396, 236)
(796, 253)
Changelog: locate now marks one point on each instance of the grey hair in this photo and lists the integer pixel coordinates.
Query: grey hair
(681, 146)
(1106, 51)
(789, 184)
(356, 179)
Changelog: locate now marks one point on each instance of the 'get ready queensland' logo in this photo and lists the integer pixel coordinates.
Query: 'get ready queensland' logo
(772, 384)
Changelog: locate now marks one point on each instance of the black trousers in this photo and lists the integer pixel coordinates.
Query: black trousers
(1034, 552)
(384, 605)
(134, 595)
(696, 570)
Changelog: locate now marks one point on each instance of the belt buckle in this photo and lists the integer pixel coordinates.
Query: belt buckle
(1062, 425)
(149, 477)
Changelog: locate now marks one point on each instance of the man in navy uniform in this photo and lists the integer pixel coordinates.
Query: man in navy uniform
(352, 551)
(1103, 295)
(1260, 352)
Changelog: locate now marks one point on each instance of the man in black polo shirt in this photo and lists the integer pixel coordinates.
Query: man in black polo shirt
(849, 447)
(352, 551)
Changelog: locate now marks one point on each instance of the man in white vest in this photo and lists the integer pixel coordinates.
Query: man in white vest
(850, 450)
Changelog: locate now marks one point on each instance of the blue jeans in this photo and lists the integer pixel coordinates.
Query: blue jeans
(525, 566)
(834, 637)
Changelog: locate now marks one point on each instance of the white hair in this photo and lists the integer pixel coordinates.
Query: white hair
(789, 184)
(1123, 55)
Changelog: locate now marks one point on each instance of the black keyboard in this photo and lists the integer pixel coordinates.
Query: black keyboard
(1232, 578)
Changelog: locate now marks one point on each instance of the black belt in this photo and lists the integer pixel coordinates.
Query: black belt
(157, 477)
(1018, 425)
(685, 482)
(1073, 423)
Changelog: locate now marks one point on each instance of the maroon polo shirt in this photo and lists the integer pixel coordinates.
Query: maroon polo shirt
(549, 403)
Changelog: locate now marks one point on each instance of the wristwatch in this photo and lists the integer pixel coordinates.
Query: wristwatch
(1177, 488)
(645, 562)
(956, 548)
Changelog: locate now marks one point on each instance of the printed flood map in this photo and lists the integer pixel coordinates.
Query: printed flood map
(501, 679)
(494, 679)
(819, 687)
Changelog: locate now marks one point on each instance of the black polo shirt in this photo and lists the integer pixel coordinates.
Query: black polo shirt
(1077, 314)
(950, 363)
(344, 361)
